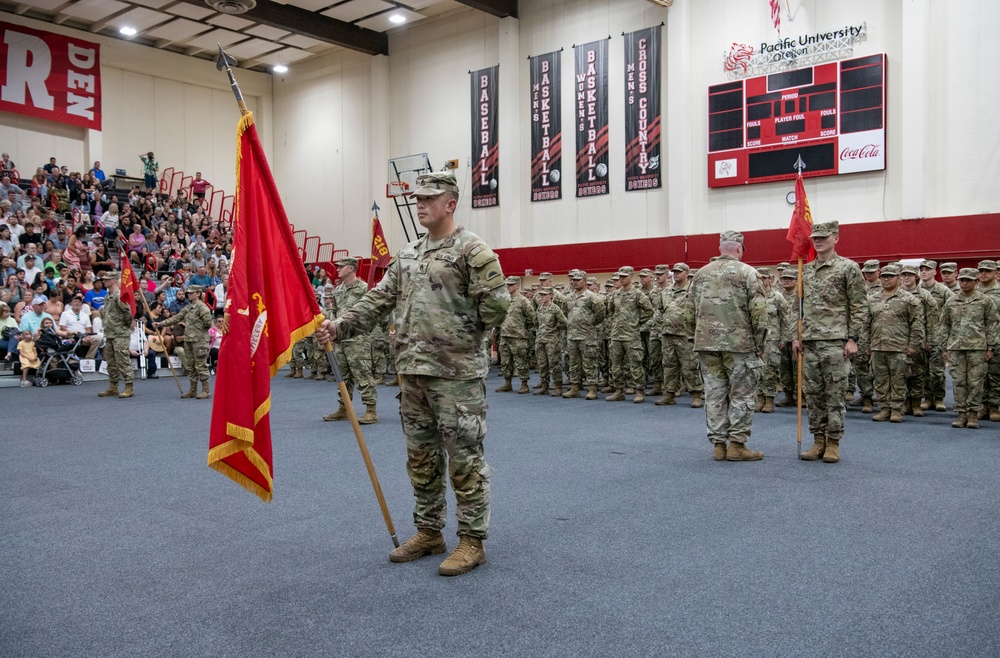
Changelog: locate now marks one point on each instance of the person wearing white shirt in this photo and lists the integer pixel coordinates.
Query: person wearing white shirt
(74, 321)
(30, 270)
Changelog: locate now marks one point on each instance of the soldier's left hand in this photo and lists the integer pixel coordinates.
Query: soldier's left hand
(850, 348)
(988, 356)
(325, 332)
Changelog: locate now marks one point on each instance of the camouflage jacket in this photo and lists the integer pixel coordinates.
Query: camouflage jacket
(834, 299)
(970, 323)
(551, 322)
(893, 323)
(344, 297)
(520, 318)
(939, 292)
(780, 314)
(653, 295)
(584, 315)
(197, 319)
(117, 316)
(677, 312)
(629, 309)
(447, 295)
(931, 316)
(730, 308)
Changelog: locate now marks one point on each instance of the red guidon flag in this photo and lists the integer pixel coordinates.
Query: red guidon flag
(129, 284)
(270, 305)
(800, 230)
(380, 253)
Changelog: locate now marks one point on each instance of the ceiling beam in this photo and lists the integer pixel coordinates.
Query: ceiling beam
(319, 27)
(498, 8)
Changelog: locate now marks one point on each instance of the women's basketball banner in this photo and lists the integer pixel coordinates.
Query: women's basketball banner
(485, 138)
(642, 109)
(592, 118)
(546, 127)
(50, 76)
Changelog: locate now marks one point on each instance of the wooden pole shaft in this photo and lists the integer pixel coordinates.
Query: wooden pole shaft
(800, 355)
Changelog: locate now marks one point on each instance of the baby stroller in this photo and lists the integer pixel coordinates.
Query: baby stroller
(54, 353)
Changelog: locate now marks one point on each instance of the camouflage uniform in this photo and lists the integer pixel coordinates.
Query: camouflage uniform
(731, 330)
(447, 295)
(780, 316)
(197, 319)
(551, 323)
(299, 355)
(934, 382)
(117, 332)
(514, 336)
(788, 372)
(676, 340)
(862, 360)
(991, 390)
(380, 351)
(917, 363)
(584, 317)
(603, 344)
(970, 326)
(629, 310)
(648, 329)
(354, 355)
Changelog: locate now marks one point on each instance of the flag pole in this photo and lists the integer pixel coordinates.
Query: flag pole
(800, 165)
(223, 62)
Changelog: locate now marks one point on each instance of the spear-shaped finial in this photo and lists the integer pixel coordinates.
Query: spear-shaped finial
(799, 164)
(224, 62)
(375, 208)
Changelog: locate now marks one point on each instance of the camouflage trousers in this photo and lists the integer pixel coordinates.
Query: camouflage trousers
(824, 381)
(772, 366)
(968, 374)
(298, 360)
(195, 361)
(680, 365)
(117, 357)
(380, 357)
(789, 371)
(991, 390)
(656, 358)
(865, 372)
(644, 337)
(916, 367)
(731, 380)
(316, 355)
(583, 362)
(548, 356)
(934, 384)
(354, 358)
(514, 357)
(445, 419)
(626, 364)
(890, 379)
(604, 359)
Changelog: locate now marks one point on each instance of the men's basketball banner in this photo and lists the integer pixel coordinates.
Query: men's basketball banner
(485, 138)
(592, 118)
(546, 126)
(50, 76)
(642, 109)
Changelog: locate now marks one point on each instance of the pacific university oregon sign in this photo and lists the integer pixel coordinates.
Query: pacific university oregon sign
(50, 76)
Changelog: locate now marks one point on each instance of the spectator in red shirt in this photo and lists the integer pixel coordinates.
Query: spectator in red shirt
(198, 186)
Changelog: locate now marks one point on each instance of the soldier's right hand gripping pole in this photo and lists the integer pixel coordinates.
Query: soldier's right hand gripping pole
(335, 368)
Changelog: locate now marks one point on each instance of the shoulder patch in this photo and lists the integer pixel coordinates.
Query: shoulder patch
(481, 256)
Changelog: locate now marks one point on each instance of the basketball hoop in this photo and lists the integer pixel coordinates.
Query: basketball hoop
(397, 188)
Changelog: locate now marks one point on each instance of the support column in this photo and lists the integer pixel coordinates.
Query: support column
(913, 99)
(679, 175)
(505, 230)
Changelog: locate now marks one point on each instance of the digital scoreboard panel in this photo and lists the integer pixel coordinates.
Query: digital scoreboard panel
(832, 115)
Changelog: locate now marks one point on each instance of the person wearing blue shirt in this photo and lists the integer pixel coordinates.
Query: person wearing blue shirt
(31, 321)
(95, 297)
(97, 172)
(201, 278)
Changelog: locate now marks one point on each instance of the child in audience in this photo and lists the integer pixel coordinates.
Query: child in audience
(29, 357)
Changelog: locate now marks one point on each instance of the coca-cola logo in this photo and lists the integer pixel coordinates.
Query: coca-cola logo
(861, 153)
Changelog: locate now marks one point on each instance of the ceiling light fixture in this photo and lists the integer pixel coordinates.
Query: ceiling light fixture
(128, 31)
(398, 19)
(280, 68)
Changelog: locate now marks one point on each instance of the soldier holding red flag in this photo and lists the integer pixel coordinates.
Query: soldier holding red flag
(118, 316)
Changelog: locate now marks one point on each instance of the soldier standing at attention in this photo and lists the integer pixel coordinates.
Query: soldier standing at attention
(197, 319)
(646, 331)
(447, 289)
(918, 362)
(894, 329)
(548, 342)
(662, 275)
(834, 299)
(780, 315)
(354, 354)
(789, 372)
(934, 376)
(585, 313)
(970, 326)
(117, 331)
(730, 334)
(991, 393)
(629, 309)
(676, 336)
(514, 336)
(949, 277)
(863, 359)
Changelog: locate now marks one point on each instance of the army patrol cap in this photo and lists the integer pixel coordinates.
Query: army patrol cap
(110, 276)
(661, 269)
(789, 273)
(731, 236)
(949, 267)
(680, 267)
(890, 270)
(764, 272)
(825, 229)
(870, 266)
(435, 183)
(626, 270)
(545, 275)
(195, 289)
(783, 265)
(645, 272)
(989, 265)
(968, 273)
(545, 290)
(348, 260)
(907, 269)
(536, 286)
(512, 281)
(592, 280)
(930, 264)
(578, 275)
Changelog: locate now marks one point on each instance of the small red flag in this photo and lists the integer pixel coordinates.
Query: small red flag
(270, 305)
(800, 230)
(129, 284)
(380, 250)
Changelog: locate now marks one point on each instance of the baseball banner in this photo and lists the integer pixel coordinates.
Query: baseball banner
(592, 118)
(50, 76)
(485, 139)
(642, 109)
(546, 127)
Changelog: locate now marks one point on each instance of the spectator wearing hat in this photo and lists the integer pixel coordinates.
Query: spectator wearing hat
(991, 393)
(150, 167)
(514, 337)
(551, 323)
(731, 333)
(584, 315)
(680, 366)
(197, 319)
(834, 299)
(629, 310)
(916, 373)
(117, 332)
(934, 382)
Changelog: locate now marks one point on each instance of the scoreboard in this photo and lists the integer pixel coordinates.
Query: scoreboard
(832, 115)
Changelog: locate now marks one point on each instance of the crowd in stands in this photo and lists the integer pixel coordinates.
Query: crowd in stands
(61, 229)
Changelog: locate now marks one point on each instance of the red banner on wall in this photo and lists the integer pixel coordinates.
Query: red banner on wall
(50, 76)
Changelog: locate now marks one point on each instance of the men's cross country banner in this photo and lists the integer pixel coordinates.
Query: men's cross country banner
(485, 138)
(642, 109)
(546, 127)
(592, 118)
(50, 76)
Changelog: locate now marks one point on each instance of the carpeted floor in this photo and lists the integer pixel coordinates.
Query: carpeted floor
(613, 534)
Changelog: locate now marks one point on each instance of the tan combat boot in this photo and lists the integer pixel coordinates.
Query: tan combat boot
(961, 421)
(321, 377)
(110, 392)
(291, 373)
(506, 388)
(787, 400)
(973, 421)
(768, 405)
(926, 404)
(591, 392)
(192, 391)
(667, 399)
(370, 416)
(617, 396)
(468, 555)
(298, 374)
(339, 414)
(697, 401)
(817, 449)
(719, 451)
(866, 404)
(205, 393)
(557, 392)
(883, 415)
(939, 405)
(895, 417)
(640, 396)
(982, 413)
(128, 392)
(543, 389)
(918, 409)
(524, 387)
(425, 542)
(832, 454)
(573, 392)
(607, 388)
(657, 388)
(994, 413)
(737, 452)
(758, 404)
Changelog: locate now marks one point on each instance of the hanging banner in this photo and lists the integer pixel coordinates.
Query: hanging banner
(50, 76)
(485, 140)
(592, 118)
(642, 109)
(546, 127)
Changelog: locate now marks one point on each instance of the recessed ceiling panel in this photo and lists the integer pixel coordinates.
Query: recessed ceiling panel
(45, 5)
(195, 12)
(251, 48)
(381, 23)
(140, 18)
(267, 32)
(230, 22)
(311, 5)
(300, 41)
(179, 29)
(355, 9)
(286, 56)
(155, 4)
(210, 40)
(94, 10)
